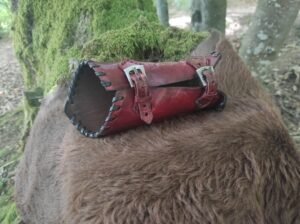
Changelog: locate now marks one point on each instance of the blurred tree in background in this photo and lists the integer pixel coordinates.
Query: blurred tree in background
(207, 14)
(269, 27)
(271, 24)
(162, 12)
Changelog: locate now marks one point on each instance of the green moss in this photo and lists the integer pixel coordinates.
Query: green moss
(8, 212)
(142, 40)
(5, 18)
(11, 125)
(48, 33)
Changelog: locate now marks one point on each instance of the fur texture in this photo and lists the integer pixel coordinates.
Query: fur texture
(238, 166)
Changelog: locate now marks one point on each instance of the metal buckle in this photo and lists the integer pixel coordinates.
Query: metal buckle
(133, 68)
(200, 72)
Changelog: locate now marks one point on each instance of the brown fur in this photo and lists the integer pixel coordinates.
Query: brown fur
(237, 166)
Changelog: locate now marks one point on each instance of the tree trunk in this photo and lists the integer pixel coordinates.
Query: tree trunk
(162, 12)
(196, 18)
(207, 14)
(269, 28)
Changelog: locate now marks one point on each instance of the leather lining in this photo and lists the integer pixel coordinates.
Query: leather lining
(92, 100)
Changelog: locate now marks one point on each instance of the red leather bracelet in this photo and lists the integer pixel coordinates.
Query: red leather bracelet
(109, 98)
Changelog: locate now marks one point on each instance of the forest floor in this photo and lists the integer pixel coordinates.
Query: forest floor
(11, 127)
(283, 83)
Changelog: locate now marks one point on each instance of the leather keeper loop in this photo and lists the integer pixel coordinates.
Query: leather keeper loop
(137, 76)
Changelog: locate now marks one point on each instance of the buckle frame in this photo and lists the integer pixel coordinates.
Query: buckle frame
(133, 68)
(200, 72)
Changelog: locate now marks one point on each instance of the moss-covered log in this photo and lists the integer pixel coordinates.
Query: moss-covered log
(51, 33)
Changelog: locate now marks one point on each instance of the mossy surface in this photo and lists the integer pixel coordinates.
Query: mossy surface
(11, 129)
(50, 33)
(142, 40)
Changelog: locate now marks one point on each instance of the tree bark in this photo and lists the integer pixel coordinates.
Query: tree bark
(207, 14)
(196, 17)
(162, 12)
(269, 28)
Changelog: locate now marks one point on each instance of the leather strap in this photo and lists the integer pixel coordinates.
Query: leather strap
(206, 74)
(210, 96)
(142, 101)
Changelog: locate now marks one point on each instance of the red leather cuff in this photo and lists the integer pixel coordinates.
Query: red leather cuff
(108, 98)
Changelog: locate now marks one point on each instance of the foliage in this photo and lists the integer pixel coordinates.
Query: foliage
(10, 151)
(5, 17)
(8, 212)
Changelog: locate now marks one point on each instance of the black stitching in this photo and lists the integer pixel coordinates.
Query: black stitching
(78, 125)
(117, 98)
(114, 108)
(100, 74)
(105, 84)
(96, 134)
(73, 119)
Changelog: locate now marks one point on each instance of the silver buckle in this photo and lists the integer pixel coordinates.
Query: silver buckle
(200, 72)
(133, 68)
